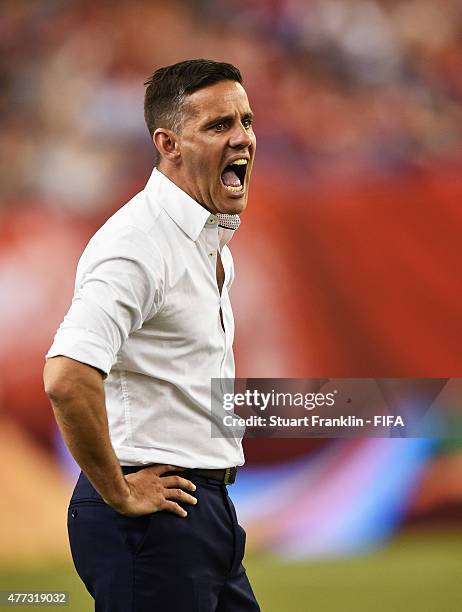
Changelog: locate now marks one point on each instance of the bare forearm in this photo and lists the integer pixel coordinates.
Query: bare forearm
(76, 393)
(80, 412)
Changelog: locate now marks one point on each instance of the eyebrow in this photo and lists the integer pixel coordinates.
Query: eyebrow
(227, 118)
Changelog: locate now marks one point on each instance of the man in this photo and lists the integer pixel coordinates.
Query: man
(129, 371)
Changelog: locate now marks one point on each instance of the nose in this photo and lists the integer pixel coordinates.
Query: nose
(240, 137)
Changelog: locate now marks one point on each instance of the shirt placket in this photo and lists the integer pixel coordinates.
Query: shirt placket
(212, 242)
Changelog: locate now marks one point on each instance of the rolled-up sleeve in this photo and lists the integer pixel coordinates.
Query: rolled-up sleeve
(119, 285)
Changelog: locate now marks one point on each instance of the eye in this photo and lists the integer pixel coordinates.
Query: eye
(219, 127)
(247, 123)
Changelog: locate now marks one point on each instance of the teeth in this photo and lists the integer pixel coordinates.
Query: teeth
(240, 162)
(234, 189)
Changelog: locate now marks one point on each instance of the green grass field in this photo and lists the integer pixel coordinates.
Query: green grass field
(415, 573)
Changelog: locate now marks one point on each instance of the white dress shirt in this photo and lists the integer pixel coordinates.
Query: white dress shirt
(146, 311)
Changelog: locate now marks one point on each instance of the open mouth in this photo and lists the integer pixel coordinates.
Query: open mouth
(233, 176)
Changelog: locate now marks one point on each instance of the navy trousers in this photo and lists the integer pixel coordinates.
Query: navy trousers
(161, 562)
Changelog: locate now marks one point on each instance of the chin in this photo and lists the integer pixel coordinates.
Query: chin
(234, 209)
(232, 206)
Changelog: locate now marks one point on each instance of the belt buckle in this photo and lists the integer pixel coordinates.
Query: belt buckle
(230, 475)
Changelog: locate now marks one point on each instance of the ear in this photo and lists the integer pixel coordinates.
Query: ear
(166, 142)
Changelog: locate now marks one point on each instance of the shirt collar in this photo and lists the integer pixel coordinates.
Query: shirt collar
(188, 214)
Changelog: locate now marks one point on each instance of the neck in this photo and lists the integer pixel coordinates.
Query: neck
(173, 175)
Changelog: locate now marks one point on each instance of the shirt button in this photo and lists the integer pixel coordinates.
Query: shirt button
(211, 220)
(212, 253)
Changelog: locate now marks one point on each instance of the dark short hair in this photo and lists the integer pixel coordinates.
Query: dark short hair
(168, 88)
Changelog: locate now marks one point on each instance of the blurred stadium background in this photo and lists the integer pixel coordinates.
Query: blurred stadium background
(348, 264)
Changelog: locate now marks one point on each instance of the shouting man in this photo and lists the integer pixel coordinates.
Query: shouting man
(150, 522)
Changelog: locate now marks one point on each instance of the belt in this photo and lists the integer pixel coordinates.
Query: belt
(226, 476)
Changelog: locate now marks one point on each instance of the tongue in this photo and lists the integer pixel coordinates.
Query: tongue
(230, 178)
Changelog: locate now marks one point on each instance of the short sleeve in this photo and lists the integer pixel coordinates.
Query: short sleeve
(119, 285)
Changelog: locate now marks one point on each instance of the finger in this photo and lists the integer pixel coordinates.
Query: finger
(178, 482)
(171, 506)
(163, 469)
(180, 495)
